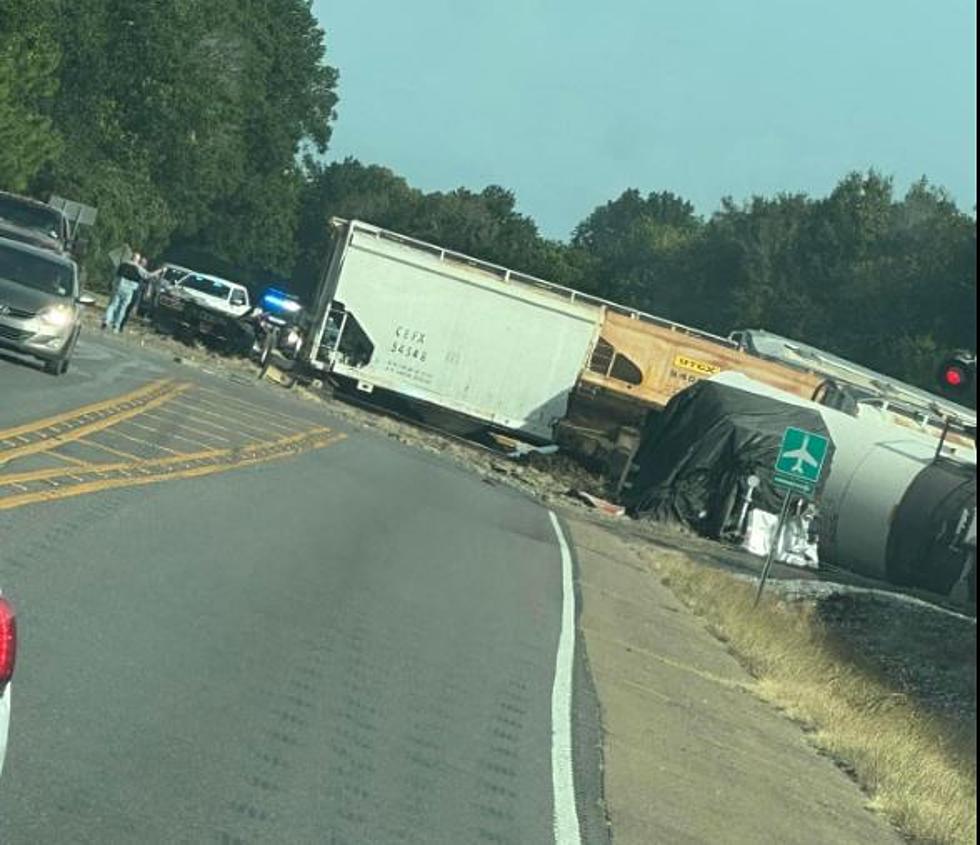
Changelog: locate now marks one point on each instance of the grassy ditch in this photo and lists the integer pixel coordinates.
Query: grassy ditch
(889, 694)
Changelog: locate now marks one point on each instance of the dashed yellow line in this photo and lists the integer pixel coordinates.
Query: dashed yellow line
(157, 446)
(234, 415)
(266, 434)
(66, 458)
(171, 434)
(86, 429)
(315, 439)
(108, 449)
(201, 407)
(158, 463)
(179, 423)
(96, 407)
(247, 409)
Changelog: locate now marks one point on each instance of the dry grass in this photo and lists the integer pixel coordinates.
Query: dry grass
(918, 765)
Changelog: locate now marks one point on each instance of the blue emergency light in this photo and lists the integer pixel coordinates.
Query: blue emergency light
(279, 302)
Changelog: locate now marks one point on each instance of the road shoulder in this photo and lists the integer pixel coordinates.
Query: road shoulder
(690, 754)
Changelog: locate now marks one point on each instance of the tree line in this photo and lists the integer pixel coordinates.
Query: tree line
(199, 130)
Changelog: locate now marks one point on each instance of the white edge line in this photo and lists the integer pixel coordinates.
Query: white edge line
(562, 772)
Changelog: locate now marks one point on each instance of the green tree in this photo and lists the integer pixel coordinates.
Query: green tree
(640, 248)
(185, 122)
(485, 225)
(285, 99)
(349, 190)
(28, 82)
(887, 282)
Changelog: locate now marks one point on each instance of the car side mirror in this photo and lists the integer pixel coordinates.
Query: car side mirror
(86, 299)
(80, 247)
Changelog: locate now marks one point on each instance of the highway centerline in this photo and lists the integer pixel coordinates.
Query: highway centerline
(162, 469)
(50, 435)
(86, 410)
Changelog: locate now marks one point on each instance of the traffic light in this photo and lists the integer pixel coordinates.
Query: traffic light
(957, 374)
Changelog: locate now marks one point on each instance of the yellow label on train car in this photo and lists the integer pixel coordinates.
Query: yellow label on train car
(695, 366)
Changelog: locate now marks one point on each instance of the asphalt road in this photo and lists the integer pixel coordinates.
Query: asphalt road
(243, 622)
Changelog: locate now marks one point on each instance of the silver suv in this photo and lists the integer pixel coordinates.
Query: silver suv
(40, 304)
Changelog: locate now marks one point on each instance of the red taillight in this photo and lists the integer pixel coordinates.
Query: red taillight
(8, 642)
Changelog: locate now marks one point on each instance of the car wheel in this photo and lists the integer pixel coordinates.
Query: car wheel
(56, 367)
(59, 366)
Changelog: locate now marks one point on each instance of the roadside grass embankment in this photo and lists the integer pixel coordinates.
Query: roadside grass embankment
(901, 720)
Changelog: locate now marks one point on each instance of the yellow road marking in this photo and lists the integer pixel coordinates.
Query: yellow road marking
(117, 452)
(100, 485)
(142, 442)
(181, 424)
(245, 406)
(223, 415)
(169, 434)
(80, 425)
(237, 414)
(87, 429)
(34, 425)
(157, 463)
(67, 458)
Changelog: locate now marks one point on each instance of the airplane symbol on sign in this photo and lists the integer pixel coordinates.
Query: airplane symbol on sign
(801, 456)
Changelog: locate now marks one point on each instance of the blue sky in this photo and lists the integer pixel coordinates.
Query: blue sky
(568, 103)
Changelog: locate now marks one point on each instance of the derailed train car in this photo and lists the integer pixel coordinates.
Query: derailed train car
(508, 350)
(447, 332)
(638, 364)
(893, 504)
(398, 316)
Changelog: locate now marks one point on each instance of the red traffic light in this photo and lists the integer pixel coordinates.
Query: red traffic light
(954, 376)
(958, 373)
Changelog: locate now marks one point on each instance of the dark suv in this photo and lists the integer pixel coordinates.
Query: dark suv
(32, 222)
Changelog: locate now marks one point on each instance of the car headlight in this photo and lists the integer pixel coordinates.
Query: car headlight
(56, 316)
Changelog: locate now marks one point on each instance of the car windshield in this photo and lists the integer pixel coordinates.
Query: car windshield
(174, 274)
(31, 216)
(37, 272)
(203, 284)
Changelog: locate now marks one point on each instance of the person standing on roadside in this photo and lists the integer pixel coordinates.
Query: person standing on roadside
(129, 276)
(141, 292)
(151, 291)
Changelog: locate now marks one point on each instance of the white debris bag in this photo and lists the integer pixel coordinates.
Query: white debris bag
(794, 545)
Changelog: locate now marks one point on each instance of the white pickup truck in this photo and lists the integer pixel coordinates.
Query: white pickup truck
(8, 651)
(224, 298)
(206, 306)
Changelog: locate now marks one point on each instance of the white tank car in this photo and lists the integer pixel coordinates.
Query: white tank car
(874, 465)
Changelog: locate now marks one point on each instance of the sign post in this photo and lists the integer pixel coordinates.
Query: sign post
(798, 468)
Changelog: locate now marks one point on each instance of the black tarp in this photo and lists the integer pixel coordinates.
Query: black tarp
(694, 456)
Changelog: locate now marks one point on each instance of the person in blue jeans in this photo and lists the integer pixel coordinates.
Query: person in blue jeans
(129, 275)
